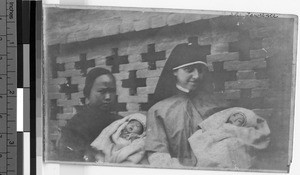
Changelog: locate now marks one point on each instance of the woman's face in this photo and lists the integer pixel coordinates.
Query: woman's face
(103, 92)
(190, 76)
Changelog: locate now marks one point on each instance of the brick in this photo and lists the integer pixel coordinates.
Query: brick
(137, 49)
(229, 94)
(146, 90)
(145, 73)
(100, 61)
(263, 32)
(247, 84)
(217, 48)
(123, 50)
(133, 66)
(68, 109)
(134, 58)
(213, 38)
(62, 102)
(80, 87)
(119, 83)
(95, 32)
(261, 53)
(57, 81)
(111, 29)
(133, 99)
(67, 59)
(191, 17)
(62, 123)
(245, 65)
(259, 92)
(99, 53)
(53, 88)
(265, 113)
(70, 65)
(78, 80)
(152, 81)
(168, 52)
(268, 42)
(124, 114)
(66, 116)
(174, 19)
(205, 40)
(69, 73)
(158, 21)
(160, 64)
(126, 27)
(104, 67)
(77, 95)
(133, 106)
(232, 94)
(168, 44)
(245, 74)
(123, 91)
(141, 25)
(121, 75)
(56, 96)
(223, 57)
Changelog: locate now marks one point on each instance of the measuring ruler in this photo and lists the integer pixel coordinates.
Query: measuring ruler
(8, 87)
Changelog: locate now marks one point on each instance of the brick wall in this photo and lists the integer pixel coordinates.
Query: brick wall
(245, 55)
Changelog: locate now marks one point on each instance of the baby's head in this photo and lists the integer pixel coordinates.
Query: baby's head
(237, 119)
(134, 126)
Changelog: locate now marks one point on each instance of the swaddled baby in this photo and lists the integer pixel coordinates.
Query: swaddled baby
(129, 131)
(122, 141)
(229, 139)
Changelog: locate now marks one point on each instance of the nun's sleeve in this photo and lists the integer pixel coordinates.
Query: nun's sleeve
(156, 138)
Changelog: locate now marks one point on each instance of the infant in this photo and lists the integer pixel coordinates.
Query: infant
(133, 130)
(237, 119)
(226, 136)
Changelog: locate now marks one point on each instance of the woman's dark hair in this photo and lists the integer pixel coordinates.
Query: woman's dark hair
(180, 55)
(90, 78)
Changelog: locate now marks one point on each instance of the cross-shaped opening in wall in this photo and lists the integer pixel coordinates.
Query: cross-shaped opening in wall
(115, 60)
(68, 88)
(151, 56)
(54, 109)
(220, 76)
(84, 64)
(133, 83)
(56, 67)
(245, 44)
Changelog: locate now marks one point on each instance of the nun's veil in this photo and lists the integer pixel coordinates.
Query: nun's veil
(182, 54)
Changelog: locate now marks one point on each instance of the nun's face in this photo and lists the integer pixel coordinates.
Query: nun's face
(189, 77)
(103, 92)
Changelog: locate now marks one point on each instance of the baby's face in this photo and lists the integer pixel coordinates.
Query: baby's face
(134, 126)
(237, 119)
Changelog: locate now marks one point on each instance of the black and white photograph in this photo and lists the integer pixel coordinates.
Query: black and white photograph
(170, 89)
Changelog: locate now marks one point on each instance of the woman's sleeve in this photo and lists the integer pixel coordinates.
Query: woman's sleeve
(156, 138)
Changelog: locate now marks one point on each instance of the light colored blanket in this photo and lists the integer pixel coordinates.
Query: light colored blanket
(113, 149)
(224, 145)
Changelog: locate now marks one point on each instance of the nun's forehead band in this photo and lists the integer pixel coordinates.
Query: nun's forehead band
(188, 64)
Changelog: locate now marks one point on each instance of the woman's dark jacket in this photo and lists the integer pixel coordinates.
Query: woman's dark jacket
(81, 131)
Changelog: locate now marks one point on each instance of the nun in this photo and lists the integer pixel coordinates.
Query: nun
(183, 95)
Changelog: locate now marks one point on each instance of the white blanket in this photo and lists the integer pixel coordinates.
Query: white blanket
(224, 145)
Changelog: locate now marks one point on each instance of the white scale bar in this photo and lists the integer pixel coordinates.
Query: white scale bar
(26, 153)
(20, 116)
